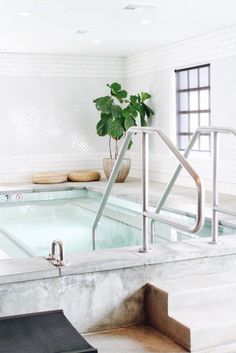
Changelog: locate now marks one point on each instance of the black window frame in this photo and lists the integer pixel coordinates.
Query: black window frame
(179, 112)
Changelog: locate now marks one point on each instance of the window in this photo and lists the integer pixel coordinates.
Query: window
(193, 105)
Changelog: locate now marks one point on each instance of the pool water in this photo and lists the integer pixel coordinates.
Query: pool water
(29, 224)
(36, 226)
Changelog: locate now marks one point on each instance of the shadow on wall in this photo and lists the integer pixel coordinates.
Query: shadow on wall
(129, 312)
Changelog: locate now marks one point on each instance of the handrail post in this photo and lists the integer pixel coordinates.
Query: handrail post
(145, 190)
(215, 189)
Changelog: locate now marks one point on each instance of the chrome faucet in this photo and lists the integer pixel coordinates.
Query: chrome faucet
(59, 262)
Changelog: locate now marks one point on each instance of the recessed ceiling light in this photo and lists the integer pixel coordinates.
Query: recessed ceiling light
(146, 22)
(97, 41)
(24, 13)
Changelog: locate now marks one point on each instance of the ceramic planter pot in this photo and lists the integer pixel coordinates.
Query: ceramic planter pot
(108, 164)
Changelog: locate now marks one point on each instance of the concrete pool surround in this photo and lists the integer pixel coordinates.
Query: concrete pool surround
(81, 287)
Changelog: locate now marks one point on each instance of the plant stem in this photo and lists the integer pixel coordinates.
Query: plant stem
(110, 147)
(116, 154)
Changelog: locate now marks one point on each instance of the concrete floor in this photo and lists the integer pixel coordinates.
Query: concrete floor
(141, 339)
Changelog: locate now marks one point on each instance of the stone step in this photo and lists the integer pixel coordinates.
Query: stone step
(198, 312)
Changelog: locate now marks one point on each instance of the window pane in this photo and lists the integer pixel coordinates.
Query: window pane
(183, 96)
(193, 78)
(194, 100)
(204, 119)
(204, 99)
(183, 123)
(195, 82)
(204, 76)
(193, 122)
(183, 142)
(183, 80)
(205, 143)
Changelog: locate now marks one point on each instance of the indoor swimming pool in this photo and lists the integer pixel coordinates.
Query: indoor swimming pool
(30, 221)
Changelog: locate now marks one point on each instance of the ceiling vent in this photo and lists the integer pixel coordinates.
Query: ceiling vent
(140, 7)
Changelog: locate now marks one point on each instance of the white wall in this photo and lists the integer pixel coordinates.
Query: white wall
(154, 71)
(47, 116)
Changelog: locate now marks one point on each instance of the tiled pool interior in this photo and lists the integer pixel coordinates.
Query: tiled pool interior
(30, 221)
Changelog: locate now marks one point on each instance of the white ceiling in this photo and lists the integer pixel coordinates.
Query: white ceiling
(51, 25)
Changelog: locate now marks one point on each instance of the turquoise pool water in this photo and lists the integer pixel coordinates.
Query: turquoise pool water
(29, 223)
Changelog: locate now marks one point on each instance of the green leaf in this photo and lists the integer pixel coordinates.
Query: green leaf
(115, 128)
(116, 111)
(130, 111)
(145, 96)
(117, 92)
(143, 121)
(115, 87)
(129, 122)
(134, 100)
(122, 120)
(148, 110)
(106, 116)
(121, 94)
(103, 104)
(139, 98)
(133, 111)
(141, 110)
(126, 112)
(102, 126)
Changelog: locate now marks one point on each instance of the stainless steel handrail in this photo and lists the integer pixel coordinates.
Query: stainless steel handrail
(60, 261)
(146, 214)
(213, 130)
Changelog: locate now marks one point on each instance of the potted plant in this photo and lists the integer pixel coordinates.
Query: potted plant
(118, 113)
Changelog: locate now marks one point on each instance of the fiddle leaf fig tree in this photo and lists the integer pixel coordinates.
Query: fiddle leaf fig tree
(118, 113)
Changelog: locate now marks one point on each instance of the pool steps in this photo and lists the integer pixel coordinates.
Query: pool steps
(197, 311)
(131, 217)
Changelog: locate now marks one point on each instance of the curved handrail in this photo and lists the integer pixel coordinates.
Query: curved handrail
(183, 162)
(198, 132)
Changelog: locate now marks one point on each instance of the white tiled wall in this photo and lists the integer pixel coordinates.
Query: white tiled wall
(154, 71)
(47, 116)
(207, 47)
(42, 65)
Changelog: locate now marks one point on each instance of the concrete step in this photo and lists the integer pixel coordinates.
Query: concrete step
(198, 312)
(210, 325)
(198, 289)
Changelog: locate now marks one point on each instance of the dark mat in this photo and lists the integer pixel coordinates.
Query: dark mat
(47, 332)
